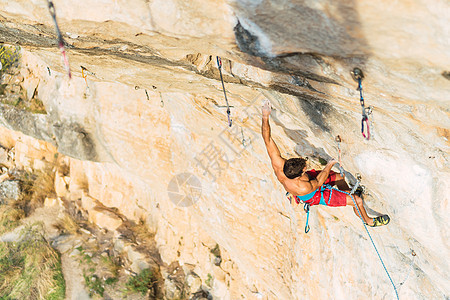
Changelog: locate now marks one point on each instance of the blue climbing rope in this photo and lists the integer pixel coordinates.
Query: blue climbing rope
(365, 227)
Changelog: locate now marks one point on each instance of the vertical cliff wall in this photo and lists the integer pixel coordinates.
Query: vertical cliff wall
(152, 107)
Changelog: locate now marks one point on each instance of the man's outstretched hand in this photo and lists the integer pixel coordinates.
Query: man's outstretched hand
(266, 109)
(332, 162)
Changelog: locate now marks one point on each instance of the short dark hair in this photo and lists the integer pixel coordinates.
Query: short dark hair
(293, 167)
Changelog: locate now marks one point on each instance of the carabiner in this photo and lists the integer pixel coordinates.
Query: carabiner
(366, 120)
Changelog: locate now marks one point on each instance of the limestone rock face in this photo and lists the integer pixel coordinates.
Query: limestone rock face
(104, 218)
(9, 190)
(152, 107)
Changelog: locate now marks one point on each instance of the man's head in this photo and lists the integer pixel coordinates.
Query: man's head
(294, 167)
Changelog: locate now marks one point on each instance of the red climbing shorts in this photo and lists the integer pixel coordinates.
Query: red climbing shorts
(337, 198)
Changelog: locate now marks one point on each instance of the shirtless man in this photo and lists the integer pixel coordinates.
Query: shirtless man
(308, 186)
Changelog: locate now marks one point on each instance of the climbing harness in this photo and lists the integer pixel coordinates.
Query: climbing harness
(358, 76)
(51, 9)
(305, 199)
(219, 65)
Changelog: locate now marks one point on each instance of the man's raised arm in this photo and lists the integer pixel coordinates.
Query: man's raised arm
(323, 175)
(272, 149)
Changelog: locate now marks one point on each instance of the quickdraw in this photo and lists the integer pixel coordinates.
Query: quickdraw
(219, 65)
(51, 9)
(338, 141)
(162, 102)
(84, 75)
(243, 138)
(306, 208)
(358, 76)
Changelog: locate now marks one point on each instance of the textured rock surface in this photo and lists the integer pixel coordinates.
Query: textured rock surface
(126, 148)
(9, 190)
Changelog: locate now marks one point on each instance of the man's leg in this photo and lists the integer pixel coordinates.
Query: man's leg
(340, 182)
(368, 220)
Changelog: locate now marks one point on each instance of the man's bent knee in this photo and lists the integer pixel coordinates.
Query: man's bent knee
(358, 200)
(350, 201)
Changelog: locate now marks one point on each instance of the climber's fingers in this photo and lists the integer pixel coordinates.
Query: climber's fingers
(266, 107)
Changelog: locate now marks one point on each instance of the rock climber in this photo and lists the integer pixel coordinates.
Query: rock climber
(307, 186)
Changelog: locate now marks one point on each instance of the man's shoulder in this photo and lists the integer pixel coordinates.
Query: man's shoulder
(278, 170)
(296, 186)
(278, 164)
(304, 187)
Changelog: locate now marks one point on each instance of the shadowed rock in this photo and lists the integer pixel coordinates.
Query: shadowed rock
(70, 138)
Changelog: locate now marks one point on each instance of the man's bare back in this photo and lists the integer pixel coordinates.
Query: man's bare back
(299, 186)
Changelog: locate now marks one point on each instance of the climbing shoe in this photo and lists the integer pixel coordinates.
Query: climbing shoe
(380, 221)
